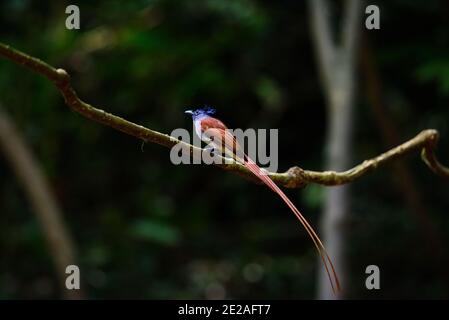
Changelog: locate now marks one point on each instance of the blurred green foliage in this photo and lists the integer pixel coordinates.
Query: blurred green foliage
(145, 228)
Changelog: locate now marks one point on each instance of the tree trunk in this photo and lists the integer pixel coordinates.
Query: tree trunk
(42, 200)
(336, 62)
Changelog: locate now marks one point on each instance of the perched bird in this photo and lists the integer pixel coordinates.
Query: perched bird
(216, 134)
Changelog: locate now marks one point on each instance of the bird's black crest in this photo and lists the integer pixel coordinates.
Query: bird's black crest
(208, 110)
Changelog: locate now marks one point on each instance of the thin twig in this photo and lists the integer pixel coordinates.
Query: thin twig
(295, 177)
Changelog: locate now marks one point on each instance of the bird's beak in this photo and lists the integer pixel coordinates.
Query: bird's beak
(189, 112)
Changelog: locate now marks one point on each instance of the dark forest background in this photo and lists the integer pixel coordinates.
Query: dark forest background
(144, 228)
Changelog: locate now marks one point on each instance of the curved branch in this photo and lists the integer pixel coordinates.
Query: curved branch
(295, 177)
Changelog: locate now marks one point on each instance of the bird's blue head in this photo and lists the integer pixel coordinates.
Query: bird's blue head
(206, 111)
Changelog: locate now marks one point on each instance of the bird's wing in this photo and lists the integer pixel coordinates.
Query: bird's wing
(225, 142)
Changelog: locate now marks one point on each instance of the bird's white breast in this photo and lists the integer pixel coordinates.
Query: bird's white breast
(198, 130)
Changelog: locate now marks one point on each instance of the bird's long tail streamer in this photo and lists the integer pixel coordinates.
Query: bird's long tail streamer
(333, 278)
(231, 147)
